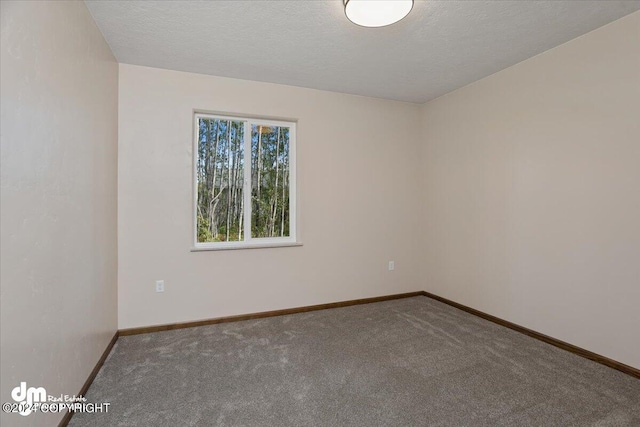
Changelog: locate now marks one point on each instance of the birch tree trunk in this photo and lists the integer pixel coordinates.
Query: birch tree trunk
(259, 167)
(239, 179)
(213, 222)
(285, 180)
(274, 202)
(228, 177)
(233, 181)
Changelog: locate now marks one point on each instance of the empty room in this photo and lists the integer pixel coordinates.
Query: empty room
(320, 213)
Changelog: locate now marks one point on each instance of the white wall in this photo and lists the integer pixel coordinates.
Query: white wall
(357, 171)
(59, 153)
(531, 186)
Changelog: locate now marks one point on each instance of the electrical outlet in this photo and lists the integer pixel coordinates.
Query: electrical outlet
(392, 265)
(159, 285)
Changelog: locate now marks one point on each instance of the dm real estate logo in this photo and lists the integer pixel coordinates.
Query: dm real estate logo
(28, 398)
(35, 399)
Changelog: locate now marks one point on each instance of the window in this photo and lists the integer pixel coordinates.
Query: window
(245, 179)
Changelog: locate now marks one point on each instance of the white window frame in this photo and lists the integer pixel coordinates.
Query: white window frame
(249, 241)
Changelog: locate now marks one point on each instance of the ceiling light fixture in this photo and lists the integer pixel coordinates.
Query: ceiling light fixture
(376, 13)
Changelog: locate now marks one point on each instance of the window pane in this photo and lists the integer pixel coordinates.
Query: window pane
(269, 181)
(220, 177)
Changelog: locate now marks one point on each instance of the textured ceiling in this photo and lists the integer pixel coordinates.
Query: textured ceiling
(439, 47)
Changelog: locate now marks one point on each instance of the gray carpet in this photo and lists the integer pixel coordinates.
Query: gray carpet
(408, 362)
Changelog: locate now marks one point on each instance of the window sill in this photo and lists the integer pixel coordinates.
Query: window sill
(245, 246)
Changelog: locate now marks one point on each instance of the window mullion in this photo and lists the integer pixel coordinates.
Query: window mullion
(246, 189)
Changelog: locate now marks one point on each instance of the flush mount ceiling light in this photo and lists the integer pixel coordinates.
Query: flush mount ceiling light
(376, 13)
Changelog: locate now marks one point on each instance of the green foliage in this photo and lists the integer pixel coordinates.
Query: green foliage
(204, 233)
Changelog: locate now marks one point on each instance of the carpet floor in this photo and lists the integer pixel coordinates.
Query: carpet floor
(407, 362)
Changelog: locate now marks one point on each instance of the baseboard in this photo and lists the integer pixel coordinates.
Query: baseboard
(85, 387)
(263, 314)
(629, 370)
